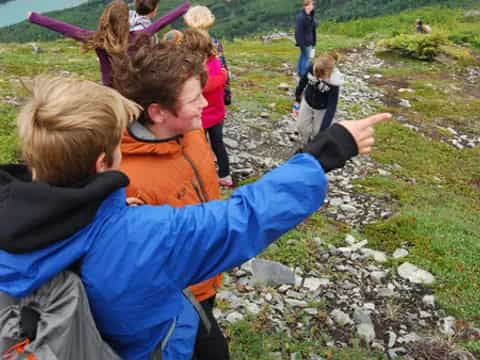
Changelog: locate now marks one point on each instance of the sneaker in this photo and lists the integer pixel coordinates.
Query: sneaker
(226, 181)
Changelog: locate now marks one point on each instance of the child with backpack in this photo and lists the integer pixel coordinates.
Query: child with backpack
(200, 17)
(141, 17)
(113, 36)
(168, 159)
(213, 115)
(70, 208)
(318, 92)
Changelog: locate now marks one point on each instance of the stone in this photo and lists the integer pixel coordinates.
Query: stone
(350, 239)
(366, 332)
(378, 256)
(296, 303)
(429, 300)
(284, 86)
(312, 284)
(392, 339)
(400, 253)
(264, 115)
(342, 319)
(409, 338)
(378, 276)
(232, 144)
(415, 275)
(405, 103)
(447, 327)
(252, 308)
(234, 317)
(361, 316)
(271, 273)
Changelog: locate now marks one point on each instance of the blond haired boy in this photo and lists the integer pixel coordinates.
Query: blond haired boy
(135, 261)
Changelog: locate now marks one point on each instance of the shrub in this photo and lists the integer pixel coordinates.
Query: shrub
(417, 46)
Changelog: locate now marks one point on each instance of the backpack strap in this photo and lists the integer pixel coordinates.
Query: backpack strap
(157, 353)
(198, 308)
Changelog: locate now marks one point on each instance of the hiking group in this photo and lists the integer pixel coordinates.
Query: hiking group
(100, 256)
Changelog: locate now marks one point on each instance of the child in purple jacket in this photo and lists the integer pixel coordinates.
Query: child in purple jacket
(113, 35)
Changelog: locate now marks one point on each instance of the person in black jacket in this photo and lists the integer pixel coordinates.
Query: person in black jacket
(305, 35)
(320, 87)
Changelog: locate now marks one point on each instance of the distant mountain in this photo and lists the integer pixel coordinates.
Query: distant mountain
(234, 17)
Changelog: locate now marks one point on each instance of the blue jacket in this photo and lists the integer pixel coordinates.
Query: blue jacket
(305, 29)
(137, 260)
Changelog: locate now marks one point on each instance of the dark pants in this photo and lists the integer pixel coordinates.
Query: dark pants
(215, 134)
(212, 346)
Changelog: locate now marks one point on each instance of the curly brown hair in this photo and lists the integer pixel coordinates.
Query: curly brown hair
(156, 73)
(198, 42)
(113, 30)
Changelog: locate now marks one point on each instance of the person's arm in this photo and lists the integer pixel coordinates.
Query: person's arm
(331, 106)
(299, 30)
(166, 19)
(61, 27)
(194, 243)
(215, 81)
(302, 84)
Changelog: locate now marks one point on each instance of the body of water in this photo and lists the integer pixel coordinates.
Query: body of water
(16, 10)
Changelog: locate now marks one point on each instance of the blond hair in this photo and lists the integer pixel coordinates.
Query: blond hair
(199, 17)
(324, 65)
(67, 124)
(113, 30)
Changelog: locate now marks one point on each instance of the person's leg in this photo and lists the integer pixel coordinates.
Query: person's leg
(212, 346)
(318, 116)
(304, 60)
(305, 122)
(215, 133)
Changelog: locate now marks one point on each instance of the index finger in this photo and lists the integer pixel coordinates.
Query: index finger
(378, 118)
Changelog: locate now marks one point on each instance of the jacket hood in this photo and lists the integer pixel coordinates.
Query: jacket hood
(37, 215)
(138, 140)
(138, 22)
(336, 79)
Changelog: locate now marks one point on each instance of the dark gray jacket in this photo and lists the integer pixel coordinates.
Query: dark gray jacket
(305, 29)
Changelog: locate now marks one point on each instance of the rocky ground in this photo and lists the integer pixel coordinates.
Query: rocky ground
(353, 292)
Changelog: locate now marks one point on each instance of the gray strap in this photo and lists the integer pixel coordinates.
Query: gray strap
(157, 353)
(203, 317)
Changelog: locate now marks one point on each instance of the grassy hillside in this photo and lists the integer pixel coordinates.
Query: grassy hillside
(236, 18)
(435, 186)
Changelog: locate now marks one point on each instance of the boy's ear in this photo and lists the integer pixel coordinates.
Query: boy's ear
(156, 113)
(101, 163)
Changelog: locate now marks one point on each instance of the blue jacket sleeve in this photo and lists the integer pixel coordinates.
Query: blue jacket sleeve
(194, 243)
(299, 30)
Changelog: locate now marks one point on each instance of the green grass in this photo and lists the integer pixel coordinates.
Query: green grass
(437, 217)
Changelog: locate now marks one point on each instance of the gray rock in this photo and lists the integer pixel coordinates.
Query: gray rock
(341, 318)
(414, 274)
(366, 332)
(271, 273)
(447, 327)
(392, 339)
(429, 300)
(409, 338)
(232, 144)
(378, 256)
(361, 316)
(400, 253)
(234, 317)
(312, 284)
(378, 276)
(296, 303)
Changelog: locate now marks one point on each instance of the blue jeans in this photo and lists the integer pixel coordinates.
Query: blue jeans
(304, 60)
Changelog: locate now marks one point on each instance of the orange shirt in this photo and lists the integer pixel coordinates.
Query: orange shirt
(178, 172)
